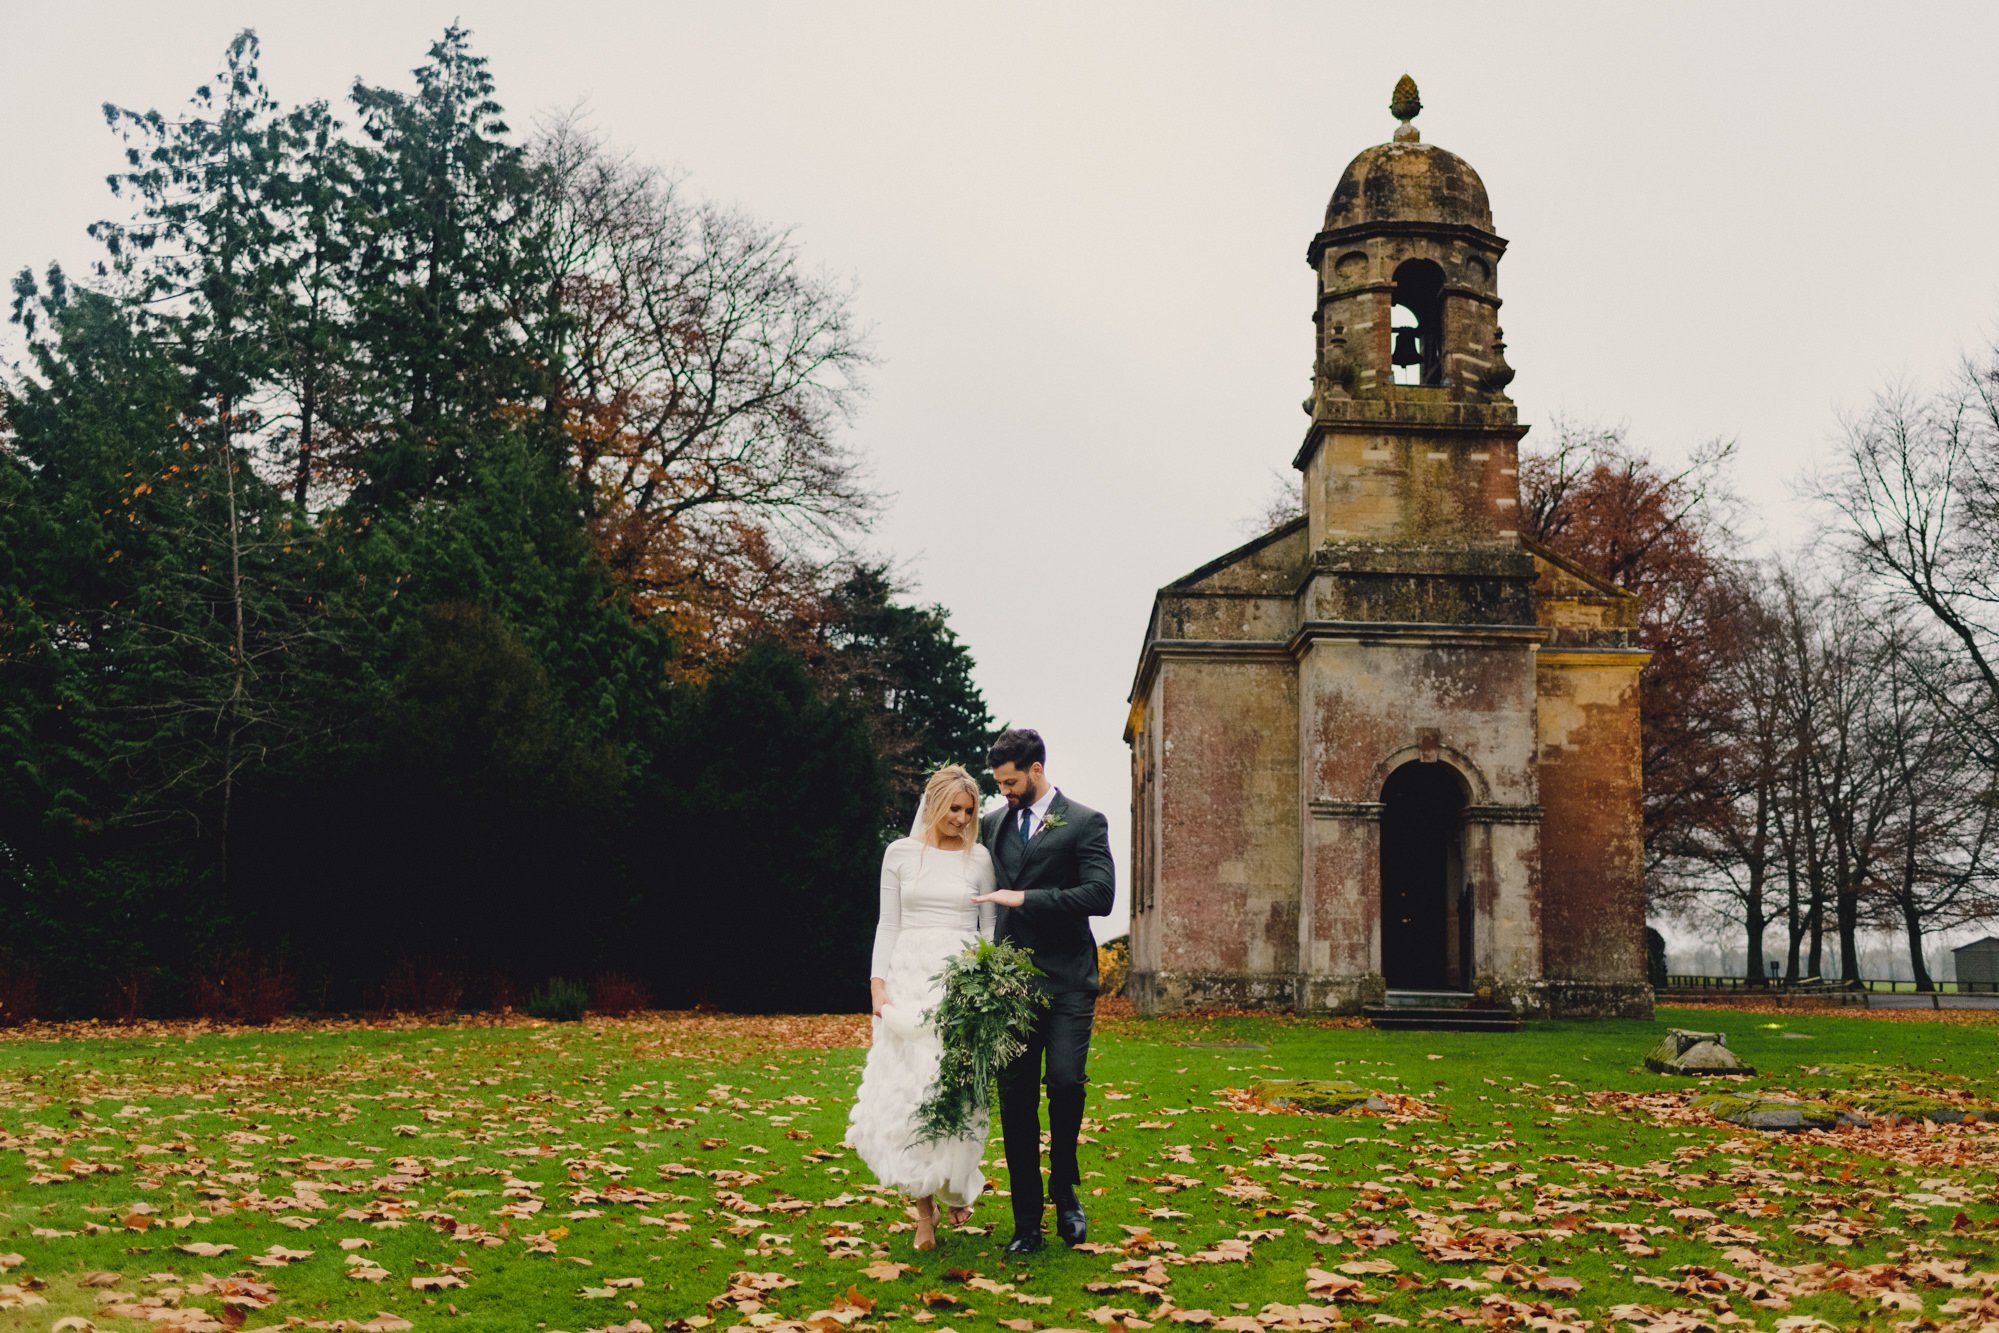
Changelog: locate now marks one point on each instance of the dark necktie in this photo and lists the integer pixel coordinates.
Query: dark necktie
(1026, 818)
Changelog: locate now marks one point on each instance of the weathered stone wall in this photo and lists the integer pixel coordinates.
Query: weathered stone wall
(1381, 472)
(1340, 912)
(1422, 585)
(1369, 694)
(1148, 926)
(1250, 594)
(1372, 700)
(1592, 843)
(1226, 873)
(1200, 616)
(1580, 609)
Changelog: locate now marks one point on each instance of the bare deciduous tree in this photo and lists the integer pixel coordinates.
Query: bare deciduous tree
(1946, 820)
(1731, 862)
(702, 377)
(1856, 801)
(1917, 485)
(1283, 502)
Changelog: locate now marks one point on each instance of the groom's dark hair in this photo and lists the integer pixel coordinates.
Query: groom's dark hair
(1019, 746)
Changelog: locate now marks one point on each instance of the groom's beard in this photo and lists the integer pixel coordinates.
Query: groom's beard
(1028, 797)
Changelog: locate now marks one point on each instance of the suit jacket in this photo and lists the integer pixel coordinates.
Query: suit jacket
(1067, 877)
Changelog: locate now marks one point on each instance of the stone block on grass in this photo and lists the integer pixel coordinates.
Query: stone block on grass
(1901, 1107)
(1775, 1113)
(1694, 1053)
(1322, 1096)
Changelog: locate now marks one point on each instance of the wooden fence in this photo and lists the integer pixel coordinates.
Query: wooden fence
(1807, 990)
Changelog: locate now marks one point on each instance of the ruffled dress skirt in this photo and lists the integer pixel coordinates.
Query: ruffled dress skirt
(901, 1066)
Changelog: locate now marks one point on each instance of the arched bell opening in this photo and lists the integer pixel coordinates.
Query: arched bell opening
(1418, 322)
(1425, 896)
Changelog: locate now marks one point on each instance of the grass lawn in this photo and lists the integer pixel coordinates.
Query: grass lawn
(685, 1172)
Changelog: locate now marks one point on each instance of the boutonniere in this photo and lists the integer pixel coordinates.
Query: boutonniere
(1052, 821)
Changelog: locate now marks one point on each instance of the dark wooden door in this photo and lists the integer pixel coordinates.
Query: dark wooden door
(1422, 832)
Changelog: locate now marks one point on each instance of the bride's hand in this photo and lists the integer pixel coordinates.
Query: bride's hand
(878, 989)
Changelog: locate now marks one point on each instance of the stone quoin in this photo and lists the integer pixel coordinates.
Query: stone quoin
(1393, 745)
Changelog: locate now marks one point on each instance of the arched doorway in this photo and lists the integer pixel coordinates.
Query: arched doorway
(1425, 908)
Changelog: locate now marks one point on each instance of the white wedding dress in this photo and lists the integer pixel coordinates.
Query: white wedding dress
(927, 915)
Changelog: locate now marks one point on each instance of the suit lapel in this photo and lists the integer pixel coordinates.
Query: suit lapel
(1005, 845)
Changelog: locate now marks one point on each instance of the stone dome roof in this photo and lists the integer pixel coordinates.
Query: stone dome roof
(1409, 182)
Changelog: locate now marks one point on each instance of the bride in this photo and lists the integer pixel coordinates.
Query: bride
(927, 884)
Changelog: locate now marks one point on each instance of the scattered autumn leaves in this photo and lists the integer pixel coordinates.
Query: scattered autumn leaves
(687, 1173)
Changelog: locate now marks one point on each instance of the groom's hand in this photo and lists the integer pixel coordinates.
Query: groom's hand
(1004, 897)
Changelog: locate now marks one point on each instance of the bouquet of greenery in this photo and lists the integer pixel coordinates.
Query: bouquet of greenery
(990, 1000)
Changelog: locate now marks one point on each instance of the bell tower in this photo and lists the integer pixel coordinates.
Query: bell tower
(1417, 630)
(1388, 753)
(1413, 439)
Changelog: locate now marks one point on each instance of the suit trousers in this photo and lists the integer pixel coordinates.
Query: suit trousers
(1059, 1044)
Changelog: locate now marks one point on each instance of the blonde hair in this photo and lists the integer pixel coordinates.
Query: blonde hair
(945, 783)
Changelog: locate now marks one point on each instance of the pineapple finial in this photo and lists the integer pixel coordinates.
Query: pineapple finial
(1403, 104)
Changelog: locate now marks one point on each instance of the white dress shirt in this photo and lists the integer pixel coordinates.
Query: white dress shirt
(1037, 814)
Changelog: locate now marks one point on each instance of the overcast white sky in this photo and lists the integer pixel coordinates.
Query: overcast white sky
(1078, 231)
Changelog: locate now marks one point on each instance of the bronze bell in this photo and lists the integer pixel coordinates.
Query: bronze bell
(1407, 350)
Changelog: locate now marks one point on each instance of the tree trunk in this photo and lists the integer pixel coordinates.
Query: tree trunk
(1755, 914)
(1815, 932)
(1757, 974)
(1795, 924)
(1848, 910)
(232, 719)
(1912, 914)
(308, 400)
(1912, 920)
(1846, 899)
(1808, 833)
(308, 403)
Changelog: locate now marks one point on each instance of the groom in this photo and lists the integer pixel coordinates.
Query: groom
(1053, 859)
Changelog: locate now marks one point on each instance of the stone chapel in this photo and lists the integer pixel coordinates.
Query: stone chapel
(1391, 748)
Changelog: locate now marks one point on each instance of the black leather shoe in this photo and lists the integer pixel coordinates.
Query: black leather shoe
(1070, 1224)
(1024, 1242)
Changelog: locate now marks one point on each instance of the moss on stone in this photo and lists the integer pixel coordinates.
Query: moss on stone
(1696, 1054)
(1894, 1092)
(1814, 1115)
(1858, 1072)
(1769, 1113)
(1723, 1105)
(1323, 1096)
(1914, 1106)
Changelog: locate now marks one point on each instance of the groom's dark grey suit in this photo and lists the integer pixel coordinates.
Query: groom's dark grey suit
(1065, 873)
